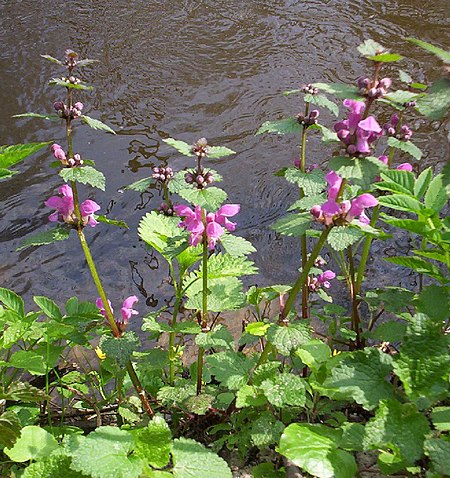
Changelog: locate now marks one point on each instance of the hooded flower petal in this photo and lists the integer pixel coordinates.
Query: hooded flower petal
(127, 308)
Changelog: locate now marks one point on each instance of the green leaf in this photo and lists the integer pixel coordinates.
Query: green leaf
(153, 443)
(352, 436)
(53, 60)
(283, 126)
(307, 202)
(28, 360)
(171, 396)
(435, 104)
(341, 237)
(257, 328)
(359, 376)
(419, 227)
(48, 306)
(9, 429)
(405, 77)
(219, 338)
(59, 233)
(288, 339)
(438, 450)
(22, 392)
(249, 396)
(224, 265)
(199, 404)
(180, 146)
(440, 416)
(391, 331)
(385, 57)
(34, 443)
(357, 168)
(397, 428)
(423, 364)
(439, 52)
(231, 369)
(398, 98)
(314, 354)
(68, 84)
(340, 90)
(266, 430)
(12, 301)
(405, 179)
(285, 389)
(86, 62)
(97, 124)
(294, 225)
(236, 246)
(105, 453)
(192, 460)
(434, 301)
(436, 195)
(311, 183)
(323, 101)
(328, 135)
(314, 449)
(219, 152)
(140, 186)
(422, 182)
(187, 327)
(112, 222)
(210, 198)
(6, 173)
(120, 348)
(40, 116)
(56, 465)
(401, 202)
(267, 470)
(10, 155)
(405, 146)
(84, 175)
(419, 265)
(369, 48)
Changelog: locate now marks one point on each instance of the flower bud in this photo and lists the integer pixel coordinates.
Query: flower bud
(363, 82)
(78, 105)
(372, 93)
(351, 149)
(58, 105)
(385, 83)
(314, 114)
(200, 179)
(316, 211)
(189, 178)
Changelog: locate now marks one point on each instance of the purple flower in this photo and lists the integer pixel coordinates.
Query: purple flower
(193, 222)
(65, 208)
(358, 205)
(405, 167)
(127, 310)
(357, 133)
(325, 277)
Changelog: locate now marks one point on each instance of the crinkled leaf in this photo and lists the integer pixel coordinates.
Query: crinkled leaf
(22, 392)
(391, 331)
(314, 449)
(341, 237)
(440, 416)
(283, 126)
(340, 90)
(439, 52)
(360, 376)
(266, 430)
(192, 460)
(434, 301)
(28, 360)
(59, 233)
(219, 152)
(249, 396)
(293, 224)
(210, 198)
(68, 84)
(435, 104)
(328, 135)
(438, 450)
(370, 47)
(153, 443)
(236, 246)
(224, 265)
(406, 146)
(171, 396)
(357, 168)
(10, 155)
(120, 348)
(323, 101)
(34, 443)
(352, 436)
(10, 427)
(105, 453)
(97, 124)
(289, 338)
(285, 389)
(230, 368)
(423, 364)
(112, 222)
(199, 404)
(307, 202)
(180, 146)
(311, 183)
(397, 428)
(219, 338)
(56, 465)
(84, 175)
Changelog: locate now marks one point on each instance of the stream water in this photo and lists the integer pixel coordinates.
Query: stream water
(185, 69)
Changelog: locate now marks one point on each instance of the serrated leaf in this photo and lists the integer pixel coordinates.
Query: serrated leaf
(140, 186)
(357, 168)
(405, 146)
(370, 47)
(402, 202)
(418, 265)
(341, 237)
(288, 338)
(285, 389)
(422, 182)
(153, 443)
(97, 124)
(236, 246)
(293, 224)
(210, 198)
(9, 429)
(311, 183)
(323, 101)
(249, 396)
(84, 175)
(199, 404)
(423, 364)
(341, 90)
(219, 338)
(283, 126)
(219, 152)
(405, 179)
(314, 449)
(67, 84)
(34, 443)
(180, 146)
(440, 416)
(59, 233)
(52, 59)
(352, 436)
(230, 368)
(105, 453)
(37, 115)
(436, 195)
(22, 392)
(399, 428)
(385, 57)
(12, 301)
(439, 52)
(171, 396)
(28, 360)
(360, 376)
(438, 450)
(10, 155)
(192, 460)
(266, 430)
(48, 306)
(434, 301)
(112, 222)
(399, 97)
(328, 135)
(224, 265)
(56, 465)
(391, 331)
(435, 104)
(120, 348)
(307, 202)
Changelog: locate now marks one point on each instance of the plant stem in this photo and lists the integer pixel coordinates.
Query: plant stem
(354, 297)
(304, 243)
(172, 351)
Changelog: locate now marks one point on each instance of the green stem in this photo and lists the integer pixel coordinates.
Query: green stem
(304, 243)
(172, 351)
(354, 297)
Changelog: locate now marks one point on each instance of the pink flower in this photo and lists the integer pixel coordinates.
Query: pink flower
(127, 310)
(325, 277)
(358, 205)
(99, 304)
(87, 209)
(405, 167)
(193, 222)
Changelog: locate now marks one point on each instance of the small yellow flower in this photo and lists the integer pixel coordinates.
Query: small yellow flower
(99, 353)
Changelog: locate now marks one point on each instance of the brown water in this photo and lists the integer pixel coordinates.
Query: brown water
(185, 69)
